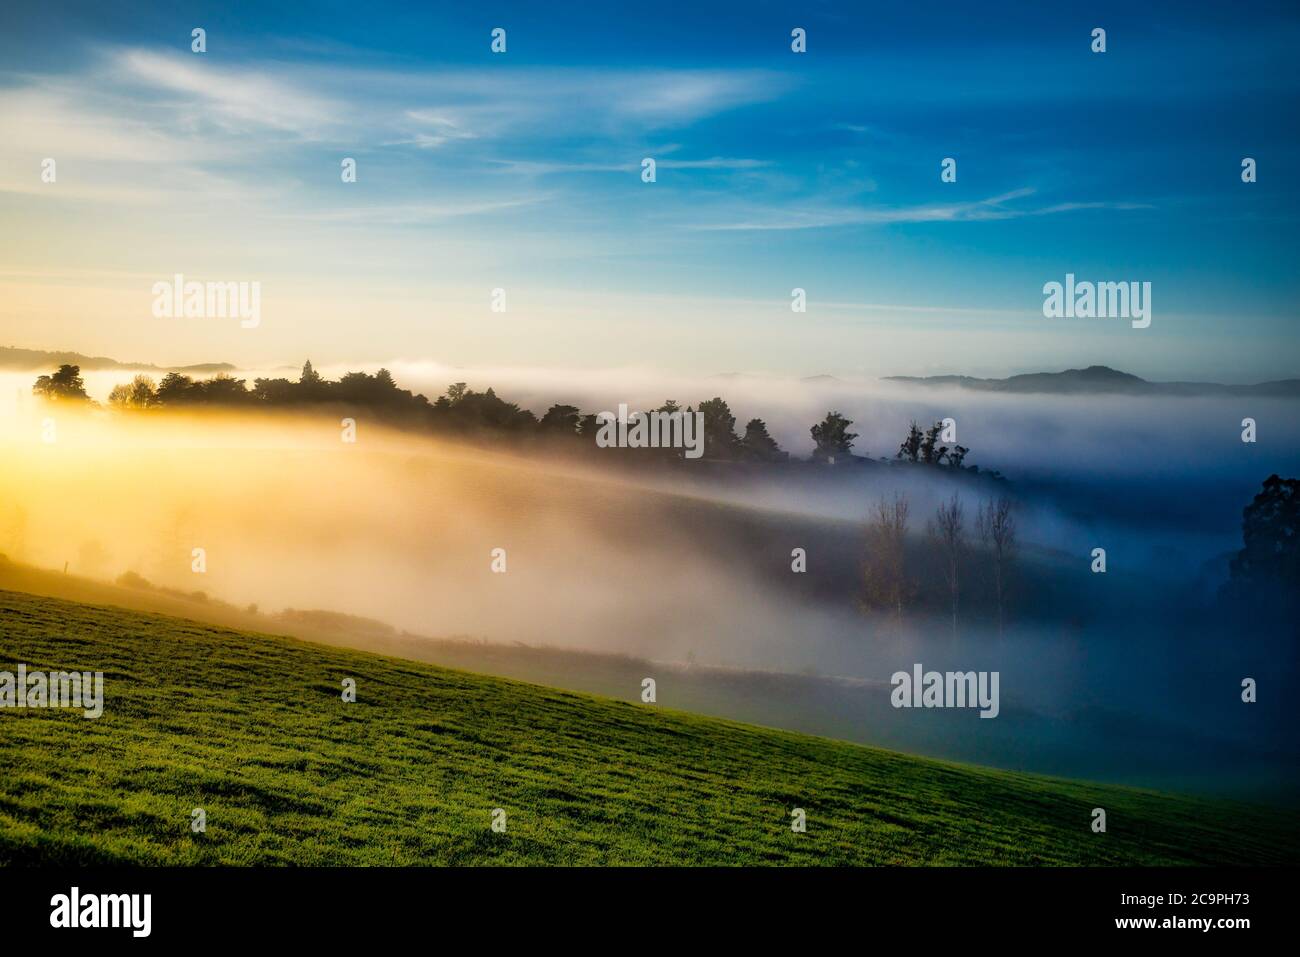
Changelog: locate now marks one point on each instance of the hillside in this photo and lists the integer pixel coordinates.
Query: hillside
(252, 729)
(33, 360)
(1073, 743)
(1101, 380)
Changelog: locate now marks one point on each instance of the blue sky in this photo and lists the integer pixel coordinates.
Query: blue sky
(775, 170)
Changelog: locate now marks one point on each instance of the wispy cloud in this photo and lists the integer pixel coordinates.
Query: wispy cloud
(715, 162)
(411, 214)
(998, 207)
(674, 97)
(238, 99)
(432, 130)
(544, 168)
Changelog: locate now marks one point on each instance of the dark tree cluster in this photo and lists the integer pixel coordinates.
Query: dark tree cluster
(65, 385)
(1267, 568)
(924, 449)
(461, 411)
(967, 564)
(465, 412)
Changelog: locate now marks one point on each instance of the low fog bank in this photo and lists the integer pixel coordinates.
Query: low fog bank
(1029, 436)
(1161, 480)
(676, 569)
(1112, 467)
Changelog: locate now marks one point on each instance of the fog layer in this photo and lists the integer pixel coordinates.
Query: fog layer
(683, 568)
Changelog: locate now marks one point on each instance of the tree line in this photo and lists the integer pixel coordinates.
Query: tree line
(889, 576)
(1265, 573)
(464, 412)
(1263, 577)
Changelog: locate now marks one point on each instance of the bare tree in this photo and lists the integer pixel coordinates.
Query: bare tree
(140, 393)
(884, 569)
(997, 530)
(948, 530)
(16, 538)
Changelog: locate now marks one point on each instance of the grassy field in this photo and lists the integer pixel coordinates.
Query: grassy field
(252, 729)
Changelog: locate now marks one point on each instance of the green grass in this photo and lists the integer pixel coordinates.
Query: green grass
(252, 729)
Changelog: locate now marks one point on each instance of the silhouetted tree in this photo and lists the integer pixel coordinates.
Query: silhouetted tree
(311, 387)
(175, 389)
(760, 446)
(63, 386)
(139, 393)
(833, 438)
(948, 531)
(275, 391)
(885, 579)
(467, 412)
(720, 438)
(996, 526)
(15, 542)
(929, 454)
(377, 391)
(910, 450)
(924, 447)
(1268, 566)
(221, 389)
(560, 420)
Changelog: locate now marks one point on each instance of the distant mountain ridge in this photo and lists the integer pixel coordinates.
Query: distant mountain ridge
(1102, 380)
(32, 360)
(1092, 380)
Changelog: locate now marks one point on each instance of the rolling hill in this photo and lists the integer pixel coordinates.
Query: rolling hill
(32, 360)
(252, 729)
(1101, 380)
